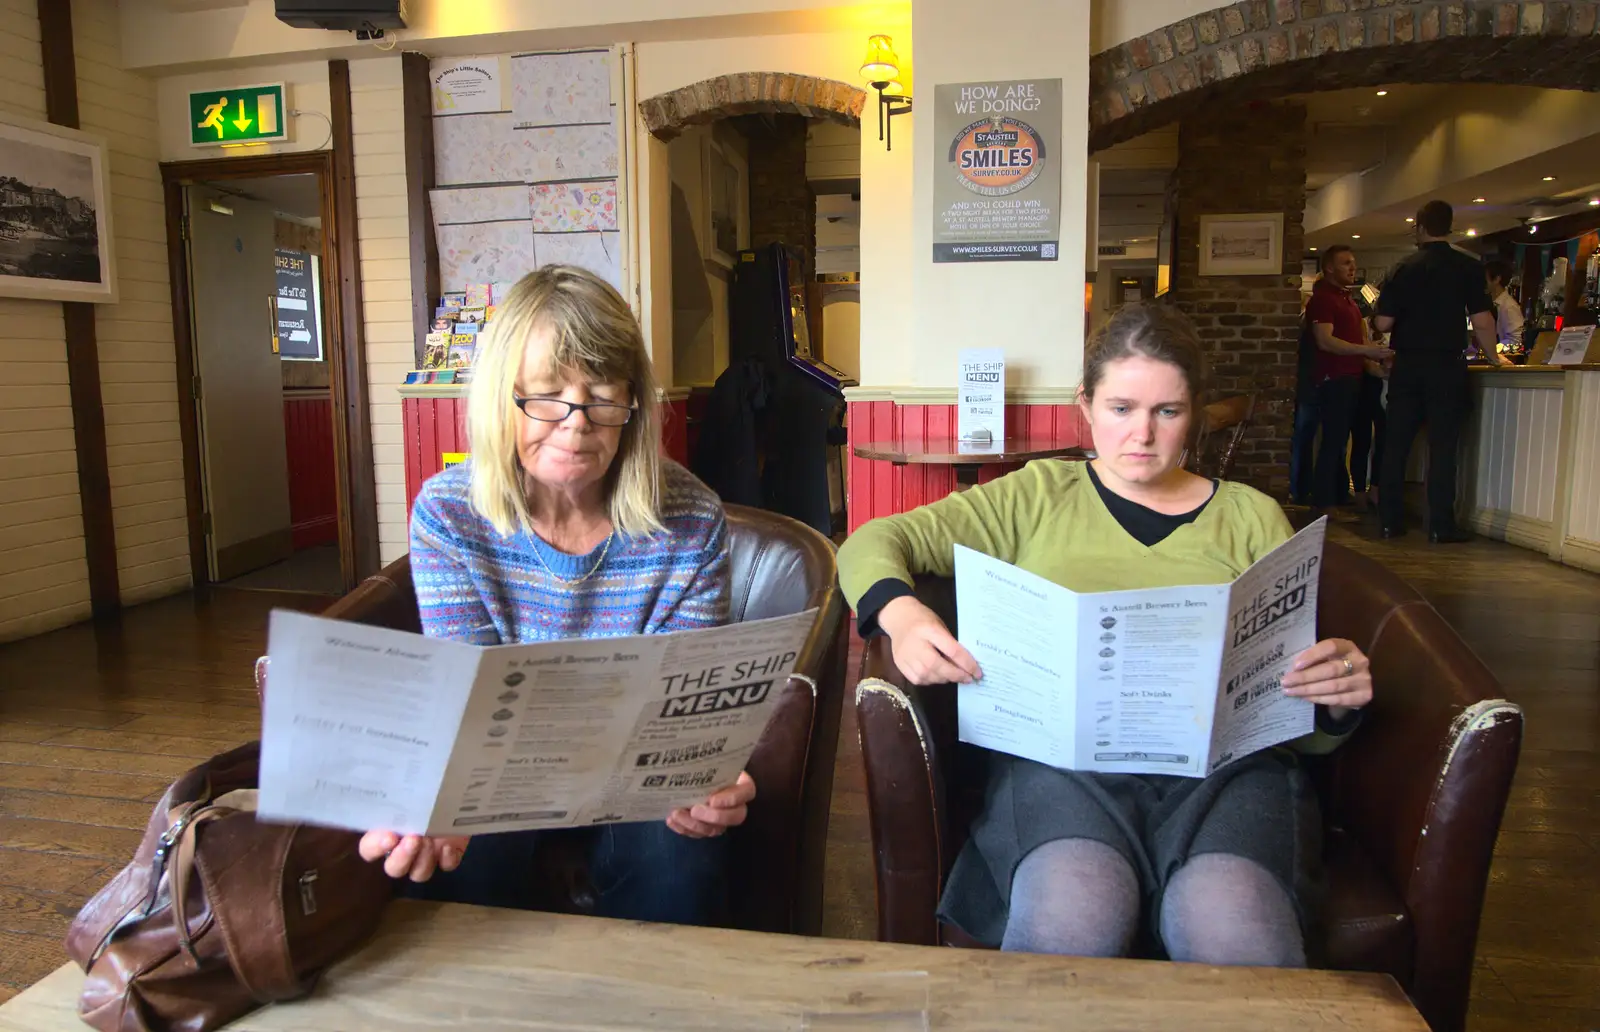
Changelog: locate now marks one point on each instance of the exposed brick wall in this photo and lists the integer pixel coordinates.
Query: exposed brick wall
(752, 93)
(1235, 159)
(1277, 47)
(783, 208)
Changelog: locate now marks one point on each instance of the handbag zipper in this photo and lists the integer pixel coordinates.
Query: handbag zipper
(158, 863)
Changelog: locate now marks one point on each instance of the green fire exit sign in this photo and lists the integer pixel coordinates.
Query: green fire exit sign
(244, 114)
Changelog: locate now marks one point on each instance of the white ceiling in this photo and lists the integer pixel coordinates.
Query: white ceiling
(1133, 184)
(296, 196)
(1511, 195)
(1348, 132)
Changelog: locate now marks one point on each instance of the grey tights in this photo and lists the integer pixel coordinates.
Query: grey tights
(1080, 897)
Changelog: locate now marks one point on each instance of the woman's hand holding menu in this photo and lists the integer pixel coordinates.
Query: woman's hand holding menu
(412, 856)
(924, 649)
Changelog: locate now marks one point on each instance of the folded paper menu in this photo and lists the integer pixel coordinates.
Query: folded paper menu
(366, 727)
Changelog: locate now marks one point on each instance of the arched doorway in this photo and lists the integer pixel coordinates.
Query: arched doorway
(752, 93)
(1264, 48)
(764, 173)
(1227, 91)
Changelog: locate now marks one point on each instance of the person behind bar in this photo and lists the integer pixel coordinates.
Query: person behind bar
(1216, 870)
(568, 523)
(1425, 306)
(1508, 321)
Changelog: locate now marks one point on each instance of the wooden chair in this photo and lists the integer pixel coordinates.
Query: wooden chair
(779, 566)
(1219, 417)
(1411, 804)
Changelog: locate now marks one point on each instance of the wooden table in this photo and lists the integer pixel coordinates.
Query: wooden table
(967, 461)
(444, 966)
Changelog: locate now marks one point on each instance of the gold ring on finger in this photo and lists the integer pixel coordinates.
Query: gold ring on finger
(1349, 667)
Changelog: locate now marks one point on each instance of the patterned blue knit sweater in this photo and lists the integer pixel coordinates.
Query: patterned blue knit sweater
(474, 585)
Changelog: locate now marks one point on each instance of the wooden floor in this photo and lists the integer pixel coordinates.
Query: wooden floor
(95, 723)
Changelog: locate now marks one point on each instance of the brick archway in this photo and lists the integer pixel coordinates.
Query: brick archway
(748, 93)
(1266, 48)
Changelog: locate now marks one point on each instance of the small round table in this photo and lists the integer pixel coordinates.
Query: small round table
(968, 459)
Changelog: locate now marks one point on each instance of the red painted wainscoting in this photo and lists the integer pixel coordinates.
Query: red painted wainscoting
(313, 477)
(433, 426)
(436, 425)
(884, 489)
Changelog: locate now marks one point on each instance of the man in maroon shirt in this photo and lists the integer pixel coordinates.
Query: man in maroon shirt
(1341, 339)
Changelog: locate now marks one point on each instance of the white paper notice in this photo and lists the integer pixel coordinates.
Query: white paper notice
(1177, 680)
(469, 86)
(1572, 345)
(981, 395)
(365, 727)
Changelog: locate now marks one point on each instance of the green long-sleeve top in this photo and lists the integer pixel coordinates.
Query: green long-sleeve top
(1049, 519)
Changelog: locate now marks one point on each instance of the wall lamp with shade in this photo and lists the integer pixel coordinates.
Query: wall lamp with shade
(881, 69)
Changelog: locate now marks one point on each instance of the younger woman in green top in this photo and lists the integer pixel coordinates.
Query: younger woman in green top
(1221, 870)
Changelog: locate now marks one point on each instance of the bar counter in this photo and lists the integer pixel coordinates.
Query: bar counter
(1530, 463)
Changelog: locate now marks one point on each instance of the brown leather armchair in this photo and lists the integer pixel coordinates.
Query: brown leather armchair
(779, 566)
(1412, 803)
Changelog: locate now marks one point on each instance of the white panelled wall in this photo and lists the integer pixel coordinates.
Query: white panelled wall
(44, 579)
(138, 364)
(1581, 541)
(384, 232)
(1531, 462)
(1511, 482)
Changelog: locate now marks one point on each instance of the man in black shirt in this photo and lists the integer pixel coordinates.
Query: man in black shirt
(1424, 307)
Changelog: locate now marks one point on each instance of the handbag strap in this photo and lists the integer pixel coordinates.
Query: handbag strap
(247, 901)
(183, 866)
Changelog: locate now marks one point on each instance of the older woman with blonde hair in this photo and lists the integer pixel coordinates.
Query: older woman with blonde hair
(567, 522)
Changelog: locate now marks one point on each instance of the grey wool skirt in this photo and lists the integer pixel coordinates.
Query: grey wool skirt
(1262, 808)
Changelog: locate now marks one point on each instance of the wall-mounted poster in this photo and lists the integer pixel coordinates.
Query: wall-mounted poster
(299, 306)
(55, 214)
(997, 178)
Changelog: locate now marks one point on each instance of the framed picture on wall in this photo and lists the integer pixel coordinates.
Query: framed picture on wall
(725, 205)
(55, 214)
(1241, 245)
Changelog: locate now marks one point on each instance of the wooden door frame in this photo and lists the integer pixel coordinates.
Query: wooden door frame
(345, 352)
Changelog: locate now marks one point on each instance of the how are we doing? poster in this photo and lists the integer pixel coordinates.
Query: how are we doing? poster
(997, 180)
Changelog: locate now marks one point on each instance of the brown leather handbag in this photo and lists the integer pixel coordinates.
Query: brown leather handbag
(219, 914)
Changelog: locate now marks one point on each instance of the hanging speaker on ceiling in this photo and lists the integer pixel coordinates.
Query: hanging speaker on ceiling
(343, 15)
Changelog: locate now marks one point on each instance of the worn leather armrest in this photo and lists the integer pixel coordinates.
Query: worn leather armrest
(905, 791)
(1422, 786)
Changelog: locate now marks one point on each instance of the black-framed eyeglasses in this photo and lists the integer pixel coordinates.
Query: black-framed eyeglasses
(554, 410)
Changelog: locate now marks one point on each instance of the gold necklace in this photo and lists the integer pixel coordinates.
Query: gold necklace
(597, 563)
